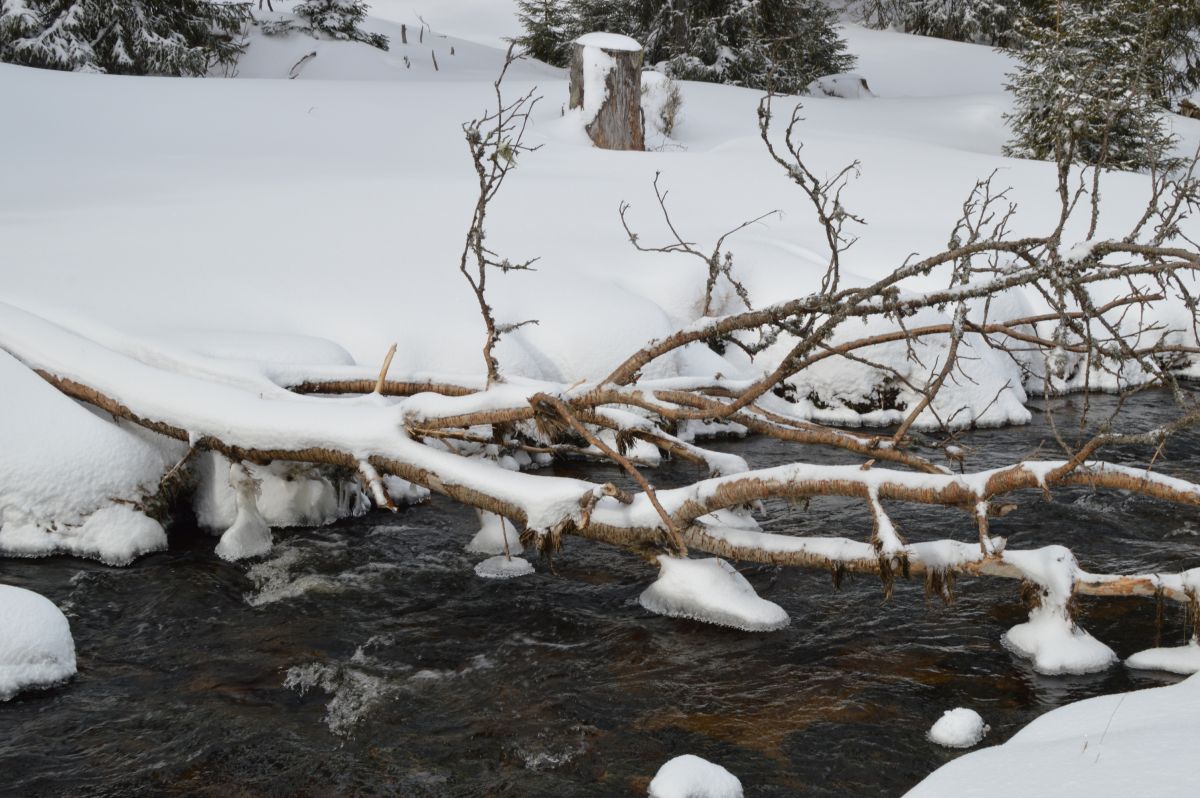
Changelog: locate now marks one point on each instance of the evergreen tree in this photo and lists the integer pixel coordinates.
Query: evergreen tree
(339, 19)
(980, 21)
(129, 37)
(1085, 88)
(778, 44)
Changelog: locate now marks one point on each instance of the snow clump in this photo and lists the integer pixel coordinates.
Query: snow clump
(501, 567)
(1176, 659)
(958, 728)
(711, 591)
(36, 647)
(689, 776)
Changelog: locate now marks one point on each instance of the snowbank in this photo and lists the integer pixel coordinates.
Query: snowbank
(36, 647)
(958, 728)
(1139, 743)
(713, 591)
(1176, 659)
(689, 776)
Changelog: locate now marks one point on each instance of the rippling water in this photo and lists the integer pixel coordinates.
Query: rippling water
(367, 658)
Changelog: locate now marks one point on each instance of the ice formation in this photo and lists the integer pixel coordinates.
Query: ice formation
(958, 728)
(689, 776)
(710, 590)
(501, 567)
(36, 647)
(1050, 638)
(494, 531)
(250, 535)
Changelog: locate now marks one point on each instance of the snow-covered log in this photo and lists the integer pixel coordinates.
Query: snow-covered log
(606, 84)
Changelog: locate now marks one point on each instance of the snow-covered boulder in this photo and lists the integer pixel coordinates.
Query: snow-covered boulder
(845, 85)
(36, 647)
(958, 728)
(689, 776)
(1139, 743)
(712, 591)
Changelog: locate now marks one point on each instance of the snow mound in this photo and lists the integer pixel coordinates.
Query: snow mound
(36, 647)
(494, 530)
(1054, 642)
(958, 728)
(1139, 743)
(1175, 659)
(847, 86)
(115, 535)
(501, 567)
(711, 591)
(250, 535)
(689, 776)
(609, 41)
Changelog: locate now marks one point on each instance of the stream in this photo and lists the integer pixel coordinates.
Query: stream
(366, 658)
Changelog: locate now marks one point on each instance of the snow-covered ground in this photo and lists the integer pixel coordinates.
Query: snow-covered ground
(236, 228)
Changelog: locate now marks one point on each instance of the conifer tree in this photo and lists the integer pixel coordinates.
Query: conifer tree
(777, 44)
(1085, 88)
(131, 37)
(339, 19)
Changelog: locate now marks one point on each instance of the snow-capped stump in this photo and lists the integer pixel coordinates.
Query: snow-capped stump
(250, 534)
(36, 647)
(494, 532)
(606, 82)
(958, 728)
(1174, 659)
(689, 776)
(501, 567)
(711, 591)
(1051, 638)
(848, 86)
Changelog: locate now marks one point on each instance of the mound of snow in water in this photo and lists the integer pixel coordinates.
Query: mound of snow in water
(494, 531)
(115, 535)
(250, 535)
(958, 728)
(1176, 659)
(689, 776)
(711, 591)
(501, 567)
(36, 647)
(1054, 642)
(1139, 743)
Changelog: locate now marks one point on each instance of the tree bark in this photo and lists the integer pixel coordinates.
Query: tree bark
(615, 121)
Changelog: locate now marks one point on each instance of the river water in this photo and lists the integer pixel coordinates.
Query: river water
(366, 658)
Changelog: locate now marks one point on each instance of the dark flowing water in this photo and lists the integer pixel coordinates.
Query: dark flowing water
(366, 658)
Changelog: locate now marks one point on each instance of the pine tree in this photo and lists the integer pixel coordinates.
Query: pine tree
(1085, 89)
(339, 19)
(130, 37)
(980, 21)
(778, 44)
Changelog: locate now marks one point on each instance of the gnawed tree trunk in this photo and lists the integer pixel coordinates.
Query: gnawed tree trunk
(606, 82)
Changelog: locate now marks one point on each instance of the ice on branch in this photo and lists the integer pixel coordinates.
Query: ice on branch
(496, 535)
(250, 535)
(1051, 638)
(712, 591)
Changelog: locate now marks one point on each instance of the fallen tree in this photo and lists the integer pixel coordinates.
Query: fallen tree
(467, 438)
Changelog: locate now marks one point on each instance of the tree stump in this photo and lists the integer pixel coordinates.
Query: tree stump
(606, 82)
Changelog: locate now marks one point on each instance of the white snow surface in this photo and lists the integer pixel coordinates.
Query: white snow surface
(36, 647)
(710, 590)
(501, 567)
(1173, 659)
(1139, 743)
(249, 535)
(609, 41)
(958, 728)
(689, 776)
(494, 533)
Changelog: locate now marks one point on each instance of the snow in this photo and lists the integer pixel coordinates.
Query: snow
(1139, 743)
(689, 776)
(1050, 638)
(958, 728)
(848, 86)
(609, 41)
(496, 535)
(501, 567)
(249, 535)
(710, 590)
(36, 647)
(1175, 659)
